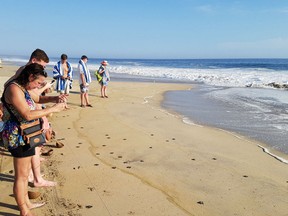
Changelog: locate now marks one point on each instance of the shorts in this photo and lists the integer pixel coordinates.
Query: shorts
(83, 89)
(22, 151)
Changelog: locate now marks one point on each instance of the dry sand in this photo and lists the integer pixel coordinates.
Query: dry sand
(128, 156)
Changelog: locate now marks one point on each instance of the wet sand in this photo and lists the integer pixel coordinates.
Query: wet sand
(128, 156)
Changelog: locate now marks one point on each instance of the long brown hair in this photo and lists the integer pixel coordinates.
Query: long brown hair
(32, 69)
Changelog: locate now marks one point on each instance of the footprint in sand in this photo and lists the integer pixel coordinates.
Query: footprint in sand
(150, 147)
(200, 202)
(80, 143)
(214, 158)
(124, 139)
(128, 167)
(77, 146)
(142, 161)
(68, 128)
(91, 188)
(111, 152)
(245, 176)
(88, 206)
(151, 134)
(96, 164)
(193, 159)
(103, 145)
(113, 167)
(97, 153)
(119, 156)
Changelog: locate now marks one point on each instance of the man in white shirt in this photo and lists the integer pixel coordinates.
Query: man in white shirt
(84, 80)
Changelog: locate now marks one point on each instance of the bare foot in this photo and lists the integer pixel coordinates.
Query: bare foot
(35, 205)
(31, 177)
(45, 183)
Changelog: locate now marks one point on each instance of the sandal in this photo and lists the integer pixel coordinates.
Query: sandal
(47, 153)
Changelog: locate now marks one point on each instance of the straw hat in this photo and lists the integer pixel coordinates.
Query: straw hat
(104, 63)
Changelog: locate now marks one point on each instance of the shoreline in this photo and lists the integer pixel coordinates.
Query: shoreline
(129, 156)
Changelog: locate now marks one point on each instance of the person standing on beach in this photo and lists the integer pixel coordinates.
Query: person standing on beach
(62, 73)
(84, 80)
(104, 73)
(19, 106)
(40, 57)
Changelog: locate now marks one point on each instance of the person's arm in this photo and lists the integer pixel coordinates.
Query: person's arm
(47, 99)
(70, 72)
(82, 77)
(15, 96)
(39, 91)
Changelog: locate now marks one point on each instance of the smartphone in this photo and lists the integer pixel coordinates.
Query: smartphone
(52, 81)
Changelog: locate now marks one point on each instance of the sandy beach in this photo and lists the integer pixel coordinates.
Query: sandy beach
(128, 156)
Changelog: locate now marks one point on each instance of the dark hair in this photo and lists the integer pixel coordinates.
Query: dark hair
(39, 55)
(84, 57)
(64, 57)
(32, 69)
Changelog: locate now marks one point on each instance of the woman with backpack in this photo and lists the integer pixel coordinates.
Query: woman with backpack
(104, 74)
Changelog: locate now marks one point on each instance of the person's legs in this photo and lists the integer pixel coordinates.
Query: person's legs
(82, 99)
(86, 98)
(105, 91)
(102, 91)
(38, 179)
(21, 168)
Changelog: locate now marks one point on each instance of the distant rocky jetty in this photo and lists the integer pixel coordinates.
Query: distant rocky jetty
(272, 84)
(277, 85)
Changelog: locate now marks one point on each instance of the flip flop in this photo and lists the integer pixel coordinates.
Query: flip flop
(59, 144)
(33, 194)
(47, 153)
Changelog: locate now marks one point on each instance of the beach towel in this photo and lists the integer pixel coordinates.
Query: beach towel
(83, 67)
(58, 72)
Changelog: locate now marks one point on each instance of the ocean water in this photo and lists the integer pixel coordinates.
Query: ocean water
(247, 96)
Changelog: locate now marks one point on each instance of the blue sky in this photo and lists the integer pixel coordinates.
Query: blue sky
(146, 28)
